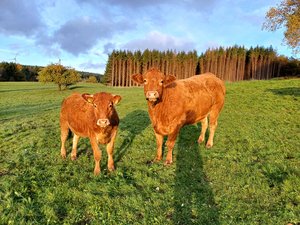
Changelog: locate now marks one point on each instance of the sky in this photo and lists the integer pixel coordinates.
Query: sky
(81, 33)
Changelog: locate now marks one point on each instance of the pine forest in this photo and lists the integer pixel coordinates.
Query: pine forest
(230, 64)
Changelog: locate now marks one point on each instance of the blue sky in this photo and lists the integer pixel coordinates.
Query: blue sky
(82, 32)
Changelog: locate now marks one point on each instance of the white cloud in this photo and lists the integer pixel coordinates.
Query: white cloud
(159, 41)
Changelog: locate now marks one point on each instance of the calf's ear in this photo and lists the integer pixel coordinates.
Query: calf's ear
(169, 79)
(89, 98)
(116, 99)
(137, 78)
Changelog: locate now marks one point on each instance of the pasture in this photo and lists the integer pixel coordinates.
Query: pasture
(250, 176)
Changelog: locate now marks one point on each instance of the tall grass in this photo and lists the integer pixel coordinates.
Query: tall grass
(250, 176)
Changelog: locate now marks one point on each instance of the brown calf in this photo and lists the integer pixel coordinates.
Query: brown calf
(92, 116)
(174, 103)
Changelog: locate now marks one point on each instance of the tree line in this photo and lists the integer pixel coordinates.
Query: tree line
(10, 71)
(230, 64)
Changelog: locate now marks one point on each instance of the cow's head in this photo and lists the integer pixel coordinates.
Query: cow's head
(154, 82)
(103, 104)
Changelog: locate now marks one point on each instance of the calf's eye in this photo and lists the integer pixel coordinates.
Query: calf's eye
(145, 81)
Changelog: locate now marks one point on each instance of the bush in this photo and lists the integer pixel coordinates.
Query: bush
(92, 79)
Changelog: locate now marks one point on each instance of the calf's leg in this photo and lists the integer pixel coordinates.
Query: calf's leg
(110, 149)
(204, 125)
(97, 154)
(159, 144)
(74, 147)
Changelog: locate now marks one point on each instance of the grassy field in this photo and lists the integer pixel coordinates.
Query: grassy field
(250, 176)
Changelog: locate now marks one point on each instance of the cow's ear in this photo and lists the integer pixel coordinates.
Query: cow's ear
(116, 99)
(169, 79)
(138, 78)
(89, 98)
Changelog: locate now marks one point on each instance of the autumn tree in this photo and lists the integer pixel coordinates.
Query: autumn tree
(286, 14)
(59, 75)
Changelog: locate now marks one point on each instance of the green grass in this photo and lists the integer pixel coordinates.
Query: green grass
(250, 176)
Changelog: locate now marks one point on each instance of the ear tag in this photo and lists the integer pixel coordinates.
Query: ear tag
(90, 100)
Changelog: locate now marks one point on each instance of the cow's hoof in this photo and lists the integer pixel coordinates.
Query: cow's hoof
(111, 168)
(157, 159)
(168, 162)
(63, 156)
(73, 157)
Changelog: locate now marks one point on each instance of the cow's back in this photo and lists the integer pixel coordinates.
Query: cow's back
(210, 83)
(191, 99)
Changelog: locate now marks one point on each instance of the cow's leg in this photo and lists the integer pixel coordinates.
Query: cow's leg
(97, 154)
(159, 144)
(170, 145)
(213, 122)
(74, 148)
(64, 131)
(204, 125)
(110, 150)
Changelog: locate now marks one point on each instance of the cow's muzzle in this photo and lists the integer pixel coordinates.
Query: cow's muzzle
(152, 96)
(103, 122)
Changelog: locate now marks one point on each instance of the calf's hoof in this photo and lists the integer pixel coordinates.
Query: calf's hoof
(200, 140)
(96, 172)
(209, 145)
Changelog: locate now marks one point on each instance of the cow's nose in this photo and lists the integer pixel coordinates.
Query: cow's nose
(103, 122)
(152, 95)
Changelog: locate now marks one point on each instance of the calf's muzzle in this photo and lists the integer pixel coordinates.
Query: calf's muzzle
(103, 122)
(152, 95)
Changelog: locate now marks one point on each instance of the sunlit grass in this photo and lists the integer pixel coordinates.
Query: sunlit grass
(250, 176)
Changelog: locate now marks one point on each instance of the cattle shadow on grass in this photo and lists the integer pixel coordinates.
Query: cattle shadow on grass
(292, 91)
(130, 126)
(75, 87)
(193, 197)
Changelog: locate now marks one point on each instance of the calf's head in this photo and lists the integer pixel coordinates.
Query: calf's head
(154, 82)
(103, 105)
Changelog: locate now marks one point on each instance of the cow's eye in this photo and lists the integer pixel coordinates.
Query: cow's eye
(110, 105)
(95, 105)
(145, 81)
(161, 82)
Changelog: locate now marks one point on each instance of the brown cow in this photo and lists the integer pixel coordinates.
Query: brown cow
(174, 103)
(92, 116)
